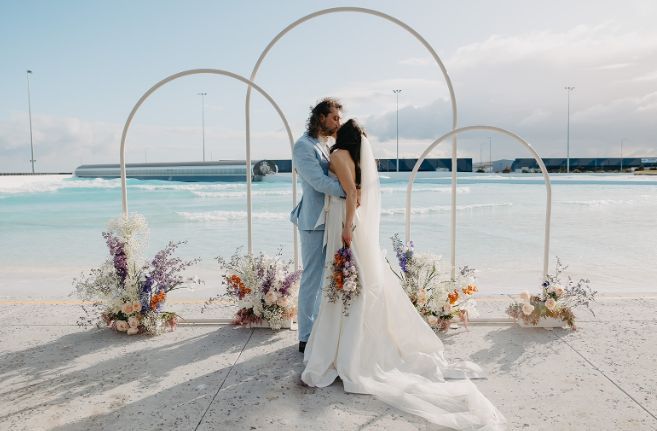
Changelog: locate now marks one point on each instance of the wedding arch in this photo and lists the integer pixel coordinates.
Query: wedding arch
(319, 13)
(546, 177)
(250, 83)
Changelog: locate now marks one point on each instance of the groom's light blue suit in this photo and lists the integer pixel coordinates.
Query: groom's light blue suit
(311, 162)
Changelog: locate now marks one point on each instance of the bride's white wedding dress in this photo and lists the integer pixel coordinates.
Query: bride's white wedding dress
(384, 347)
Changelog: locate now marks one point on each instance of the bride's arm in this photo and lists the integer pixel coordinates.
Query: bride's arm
(345, 169)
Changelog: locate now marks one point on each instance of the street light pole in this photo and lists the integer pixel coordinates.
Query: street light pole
(621, 167)
(397, 94)
(490, 154)
(29, 108)
(203, 119)
(569, 89)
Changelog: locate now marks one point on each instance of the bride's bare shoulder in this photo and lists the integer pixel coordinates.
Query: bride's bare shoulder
(341, 156)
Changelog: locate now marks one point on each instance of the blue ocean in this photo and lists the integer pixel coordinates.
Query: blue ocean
(603, 226)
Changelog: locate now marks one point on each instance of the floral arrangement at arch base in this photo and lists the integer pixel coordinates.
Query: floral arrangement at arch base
(555, 300)
(264, 288)
(438, 299)
(129, 294)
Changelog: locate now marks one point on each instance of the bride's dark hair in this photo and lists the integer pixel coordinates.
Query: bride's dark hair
(349, 138)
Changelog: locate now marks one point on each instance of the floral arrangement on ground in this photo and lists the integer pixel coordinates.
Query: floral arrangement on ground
(555, 300)
(437, 298)
(264, 288)
(129, 294)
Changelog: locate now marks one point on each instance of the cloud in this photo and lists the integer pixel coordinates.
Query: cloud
(62, 143)
(517, 82)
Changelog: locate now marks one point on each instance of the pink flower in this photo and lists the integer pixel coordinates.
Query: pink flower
(551, 304)
(126, 308)
(559, 290)
(136, 306)
(432, 320)
(121, 325)
(283, 302)
(271, 297)
(421, 297)
(132, 331)
(447, 308)
(524, 296)
(527, 309)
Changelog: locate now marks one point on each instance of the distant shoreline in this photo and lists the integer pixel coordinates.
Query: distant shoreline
(36, 173)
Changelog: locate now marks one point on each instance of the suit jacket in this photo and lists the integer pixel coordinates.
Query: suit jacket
(311, 161)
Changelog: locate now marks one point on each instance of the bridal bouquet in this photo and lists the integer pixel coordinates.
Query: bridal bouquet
(264, 289)
(126, 293)
(555, 300)
(438, 300)
(343, 280)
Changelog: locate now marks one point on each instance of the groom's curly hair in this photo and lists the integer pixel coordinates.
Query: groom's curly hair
(322, 108)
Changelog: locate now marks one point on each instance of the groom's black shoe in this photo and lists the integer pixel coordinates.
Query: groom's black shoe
(302, 346)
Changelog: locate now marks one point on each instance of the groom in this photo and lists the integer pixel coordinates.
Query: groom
(311, 160)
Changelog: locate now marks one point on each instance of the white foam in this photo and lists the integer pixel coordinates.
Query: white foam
(219, 216)
(442, 209)
(242, 194)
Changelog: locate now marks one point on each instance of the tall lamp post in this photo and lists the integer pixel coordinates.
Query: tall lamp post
(29, 110)
(397, 94)
(490, 154)
(569, 89)
(203, 119)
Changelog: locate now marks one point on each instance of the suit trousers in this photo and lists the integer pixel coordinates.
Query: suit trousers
(313, 256)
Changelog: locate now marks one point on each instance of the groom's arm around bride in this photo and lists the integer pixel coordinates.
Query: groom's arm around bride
(311, 161)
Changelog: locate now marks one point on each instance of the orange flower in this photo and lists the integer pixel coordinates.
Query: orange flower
(156, 299)
(453, 297)
(470, 289)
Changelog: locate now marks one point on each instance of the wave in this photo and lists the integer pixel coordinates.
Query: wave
(459, 190)
(242, 194)
(214, 216)
(441, 209)
(596, 202)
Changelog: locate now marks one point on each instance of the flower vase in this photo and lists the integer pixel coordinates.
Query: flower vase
(284, 324)
(544, 322)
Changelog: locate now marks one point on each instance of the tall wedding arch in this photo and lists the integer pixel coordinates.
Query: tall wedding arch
(372, 12)
(546, 177)
(250, 83)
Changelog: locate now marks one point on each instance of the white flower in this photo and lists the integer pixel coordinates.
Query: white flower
(132, 331)
(133, 322)
(432, 320)
(350, 286)
(551, 304)
(525, 296)
(527, 309)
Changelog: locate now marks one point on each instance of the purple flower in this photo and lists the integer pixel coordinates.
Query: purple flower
(120, 260)
(289, 280)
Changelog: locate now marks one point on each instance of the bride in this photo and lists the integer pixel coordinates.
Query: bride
(382, 346)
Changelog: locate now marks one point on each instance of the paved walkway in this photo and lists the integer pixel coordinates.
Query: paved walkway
(56, 376)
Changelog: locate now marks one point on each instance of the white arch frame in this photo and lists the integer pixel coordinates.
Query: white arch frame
(389, 18)
(546, 177)
(250, 83)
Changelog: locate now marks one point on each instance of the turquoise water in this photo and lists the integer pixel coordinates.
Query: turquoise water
(603, 226)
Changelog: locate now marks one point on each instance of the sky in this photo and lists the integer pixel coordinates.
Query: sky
(509, 62)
